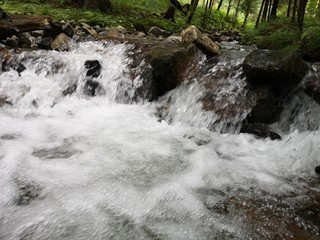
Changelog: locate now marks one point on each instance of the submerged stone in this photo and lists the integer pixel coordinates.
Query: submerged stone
(94, 68)
(91, 88)
(260, 130)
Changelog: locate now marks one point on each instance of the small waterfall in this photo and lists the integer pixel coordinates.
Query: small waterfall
(215, 98)
(300, 111)
(50, 75)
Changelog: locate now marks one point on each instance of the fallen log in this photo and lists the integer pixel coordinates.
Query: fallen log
(15, 24)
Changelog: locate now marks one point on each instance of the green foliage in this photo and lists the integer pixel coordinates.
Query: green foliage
(277, 34)
(125, 12)
(310, 43)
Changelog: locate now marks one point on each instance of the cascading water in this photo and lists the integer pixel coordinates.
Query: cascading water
(221, 88)
(80, 167)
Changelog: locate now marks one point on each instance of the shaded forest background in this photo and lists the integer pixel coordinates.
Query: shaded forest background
(271, 24)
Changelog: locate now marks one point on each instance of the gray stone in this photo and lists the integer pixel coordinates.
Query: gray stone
(13, 41)
(45, 43)
(68, 29)
(61, 43)
(158, 32)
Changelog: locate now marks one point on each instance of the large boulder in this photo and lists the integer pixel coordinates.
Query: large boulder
(280, 69)
(203, 42)
(61, 43)
(170, 64)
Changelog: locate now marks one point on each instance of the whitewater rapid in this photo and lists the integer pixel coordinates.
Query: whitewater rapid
(79, 167)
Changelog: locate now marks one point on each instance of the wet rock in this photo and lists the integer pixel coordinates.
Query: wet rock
(199, 140)
(218, 37)
(68, 29)
(70, 89)
(312, 89)
(97, 28)
(91, 88)
(26, 193)
(88, 29)
(203, 42)
(158, 32)
(260, 130)
(13, 41)
(170, 63)
(4, 101)
(19, 67)
(266, 107)
(26, 40)
(57, 152)
(317, 169)
(61, 43)
(279, 69)
(38, 33)
(45, 43)
(54, 31)
(94, 68)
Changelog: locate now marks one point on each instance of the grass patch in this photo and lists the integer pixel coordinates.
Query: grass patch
(127, 13)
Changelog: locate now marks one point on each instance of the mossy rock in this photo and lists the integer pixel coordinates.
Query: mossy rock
(280, 69)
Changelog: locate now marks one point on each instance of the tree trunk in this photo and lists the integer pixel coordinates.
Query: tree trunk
(301, 12)
(269, 9)
(237, 11)
(220, 4)
(194, 4)
(260, 12)
(169, 14)
(247, 13)
(294, 10)
(205, 14)
(265, 11)
(211, 6)
(229, 7)
(274, 9)
(289, 8)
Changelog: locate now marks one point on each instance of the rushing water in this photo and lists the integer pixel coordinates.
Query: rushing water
(80, 167)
